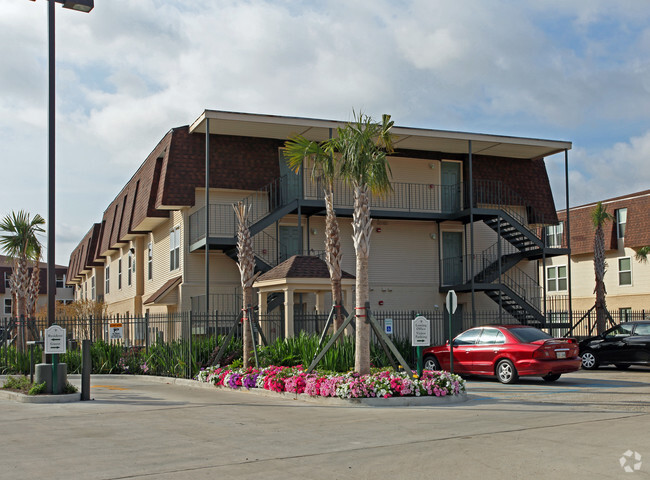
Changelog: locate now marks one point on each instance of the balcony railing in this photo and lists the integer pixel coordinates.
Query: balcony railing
(404, 197)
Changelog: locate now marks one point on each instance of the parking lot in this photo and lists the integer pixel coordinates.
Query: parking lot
(578, 427)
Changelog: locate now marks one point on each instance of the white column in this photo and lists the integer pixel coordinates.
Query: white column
(288, 313)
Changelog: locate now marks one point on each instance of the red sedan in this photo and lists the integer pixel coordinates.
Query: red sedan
(507, 351)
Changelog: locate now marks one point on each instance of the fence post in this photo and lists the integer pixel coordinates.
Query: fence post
(86, 368)
(188, 374)
(146, 332)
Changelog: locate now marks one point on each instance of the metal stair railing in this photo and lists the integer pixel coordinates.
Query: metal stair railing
(494, 194)
(263, 202)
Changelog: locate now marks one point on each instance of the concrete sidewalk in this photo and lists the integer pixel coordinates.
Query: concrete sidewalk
(135, 428)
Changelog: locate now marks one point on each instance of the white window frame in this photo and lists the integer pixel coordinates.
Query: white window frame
(621, 222)
(92, 288)
(150, 261)
(620, 283)
(8, 303)
(7, 284)
(554, 234)
(129, 265)
(119, 273)
(60, 280)
(174, 248)
(107, 279)
(553, 275)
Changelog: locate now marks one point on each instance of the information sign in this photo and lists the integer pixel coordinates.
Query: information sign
(55, 340)
(115, 331)
(420, 332)
(388, 326)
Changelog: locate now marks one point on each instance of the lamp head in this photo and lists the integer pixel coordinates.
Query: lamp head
(80, 5)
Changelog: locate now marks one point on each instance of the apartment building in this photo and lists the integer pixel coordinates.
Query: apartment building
(627, 280)
(432, 233)
(63, 293)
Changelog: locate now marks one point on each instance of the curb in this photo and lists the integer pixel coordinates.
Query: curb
(429, 401)
(22, 398)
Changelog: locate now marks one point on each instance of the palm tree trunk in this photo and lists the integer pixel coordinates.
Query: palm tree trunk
(599, 272)
(246, 264)
(333, 256)
(361, 230)
(19, 283)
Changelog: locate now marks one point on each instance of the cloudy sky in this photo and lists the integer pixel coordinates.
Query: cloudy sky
(132, 69)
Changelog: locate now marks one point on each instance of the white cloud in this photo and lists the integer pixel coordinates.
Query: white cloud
(129, 71)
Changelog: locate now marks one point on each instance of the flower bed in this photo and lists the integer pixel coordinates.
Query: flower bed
(382, 384)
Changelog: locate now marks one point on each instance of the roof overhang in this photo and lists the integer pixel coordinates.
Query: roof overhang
(282, 128)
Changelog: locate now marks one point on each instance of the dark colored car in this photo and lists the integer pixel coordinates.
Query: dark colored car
(623, 345)
(507, 351)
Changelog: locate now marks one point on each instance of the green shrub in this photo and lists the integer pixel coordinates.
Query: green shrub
(21, 383)
(69, 388)
(37, 388)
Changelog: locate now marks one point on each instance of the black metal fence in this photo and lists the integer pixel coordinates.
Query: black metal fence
(186, 340)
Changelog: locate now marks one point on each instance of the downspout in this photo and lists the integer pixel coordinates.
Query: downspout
(207, 216)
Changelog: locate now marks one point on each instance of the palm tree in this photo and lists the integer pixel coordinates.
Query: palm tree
(599, 216)
(246, 264)
(642, 253)
(299, 151)
(363, 146)
(20, 242)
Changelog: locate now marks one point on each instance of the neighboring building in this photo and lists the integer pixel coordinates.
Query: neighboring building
(627, 281)
(63, 293)
(431, 234)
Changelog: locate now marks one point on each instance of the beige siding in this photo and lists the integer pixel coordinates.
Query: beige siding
(635, 296)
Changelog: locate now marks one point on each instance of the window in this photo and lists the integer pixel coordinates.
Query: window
(619, 331)
(150, 261)
(60, 281)
(554, 235)
(625, 271)
(92, 288)
(625, 314)
(621, 221)
(556, 280)
(129, 265)
(468, 338)
(7, 275)
(642, 329)
(174, 248)
(7, 306)
(107, 282)
(119, 274)
(491, 336)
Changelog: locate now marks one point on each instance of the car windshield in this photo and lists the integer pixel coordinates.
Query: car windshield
(623, 330)
(529, 334)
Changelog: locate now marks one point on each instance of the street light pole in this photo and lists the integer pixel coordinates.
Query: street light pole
(82, 6)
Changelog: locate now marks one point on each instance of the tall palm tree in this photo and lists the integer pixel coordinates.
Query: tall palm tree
(299, 151)
(599, 216)
(363, 146)
(642, 253)
(246, 264)
(19, 241)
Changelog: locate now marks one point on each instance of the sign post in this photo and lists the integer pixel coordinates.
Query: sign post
(452, 304)
(420, 337)
(54, 345)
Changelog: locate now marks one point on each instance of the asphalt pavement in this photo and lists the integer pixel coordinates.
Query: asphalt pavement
(590, 425)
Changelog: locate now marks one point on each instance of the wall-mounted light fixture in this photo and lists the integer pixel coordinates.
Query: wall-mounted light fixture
(314, 231)
(432, 166)
(378, 230)
(433, 236)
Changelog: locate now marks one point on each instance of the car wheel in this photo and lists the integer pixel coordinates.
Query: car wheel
(622, 366)
(551, 377)
(589, 360)
(506, 372)
(431, 363)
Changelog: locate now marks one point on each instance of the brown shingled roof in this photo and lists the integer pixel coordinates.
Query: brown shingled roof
(164, 290)
(637, 230)
(300, 266)
(85, 255)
